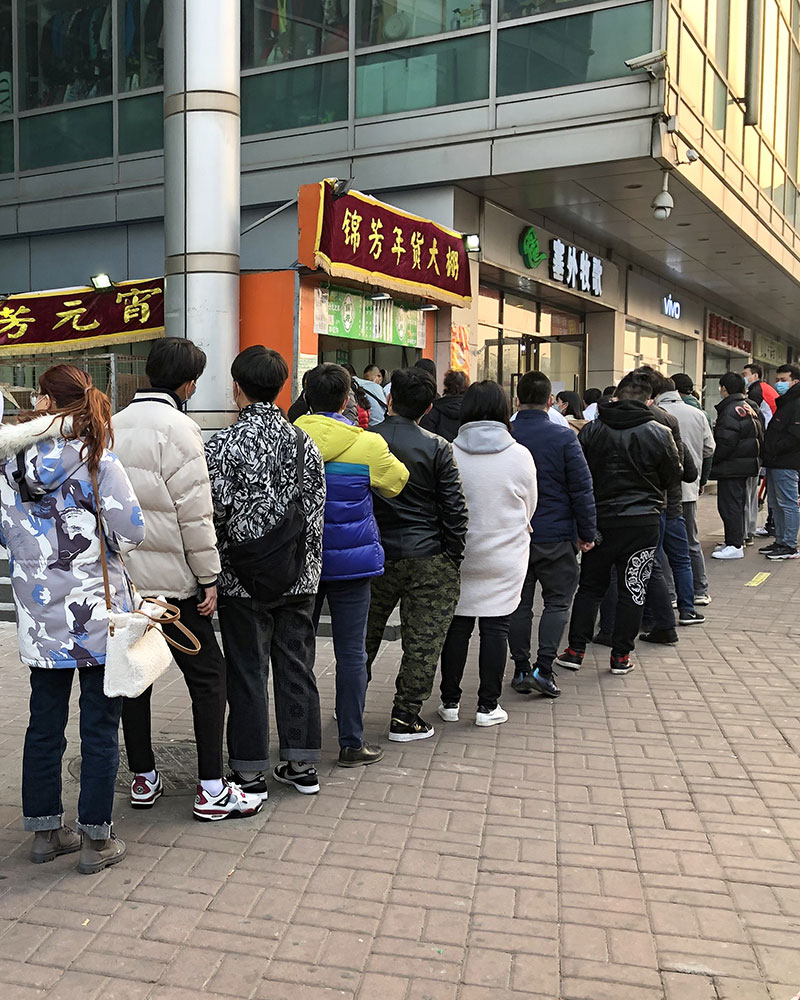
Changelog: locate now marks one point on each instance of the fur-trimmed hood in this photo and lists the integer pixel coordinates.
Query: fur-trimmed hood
(16, 437)
(49, 457)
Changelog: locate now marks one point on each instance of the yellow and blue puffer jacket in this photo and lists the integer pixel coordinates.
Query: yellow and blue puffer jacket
(356, 462)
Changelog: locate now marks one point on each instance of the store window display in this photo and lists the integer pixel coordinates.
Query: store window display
(384, 21)
(6, 59)
(141, 34)
(280, 31)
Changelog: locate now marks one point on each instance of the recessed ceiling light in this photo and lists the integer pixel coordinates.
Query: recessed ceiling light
(749, 273)
(632, 187)
(720, 251)
(682, 224)
(703, 239)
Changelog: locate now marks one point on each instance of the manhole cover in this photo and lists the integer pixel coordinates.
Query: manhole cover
(176, 760)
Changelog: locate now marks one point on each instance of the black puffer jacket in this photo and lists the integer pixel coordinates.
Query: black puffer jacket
(738, 435)
(430, 516)
(782, 439)
(633, 460)
(444, 417)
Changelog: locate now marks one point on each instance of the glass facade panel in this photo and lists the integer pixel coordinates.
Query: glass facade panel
(564, 51)
(6, 147)
(695, 12)
(508, 10)
(280, 31)
(6, 59)
(768, 69)
(719, 13)
(519, 315)
(66, 137)
(690, 69)
(141, 124)
(65, 52)
(295, 98)
(737, 38)
(716, 101)
(423, 76)
(782, 95)
(380, 23)
(141, 39)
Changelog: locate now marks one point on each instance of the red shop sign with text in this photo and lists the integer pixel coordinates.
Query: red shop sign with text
(725, 331)
(358, 237)
(46, 322)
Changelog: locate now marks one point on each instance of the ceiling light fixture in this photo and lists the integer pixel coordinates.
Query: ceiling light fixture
(429, 307)
(101, 282)
(380, 297)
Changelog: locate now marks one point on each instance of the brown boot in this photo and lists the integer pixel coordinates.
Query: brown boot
(50, 844)
(97, 855)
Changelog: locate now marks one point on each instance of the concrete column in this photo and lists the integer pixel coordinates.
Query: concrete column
(605, 348)
(202, 191)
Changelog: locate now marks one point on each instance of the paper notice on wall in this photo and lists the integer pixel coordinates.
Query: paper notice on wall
(320, 310)
(305, 362)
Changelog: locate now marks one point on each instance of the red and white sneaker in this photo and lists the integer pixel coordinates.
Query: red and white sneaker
(231, 803)
(145, 792)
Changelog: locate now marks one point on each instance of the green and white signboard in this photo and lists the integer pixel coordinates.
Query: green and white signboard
(342, 312)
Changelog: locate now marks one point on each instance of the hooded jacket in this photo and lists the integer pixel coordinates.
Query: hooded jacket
(444, 417)
(696, 437)
(54, 547)
(782, 437)
(633, 460)
(355, 463)
(738, 435)
(499, 480)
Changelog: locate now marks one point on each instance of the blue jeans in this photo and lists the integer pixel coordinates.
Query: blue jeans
(45, 744)
(348, 601)
(676, 549)
(783, 500)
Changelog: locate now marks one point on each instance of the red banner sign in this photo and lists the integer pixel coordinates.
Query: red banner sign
(46, 322)
(360, 238)
(725, 331)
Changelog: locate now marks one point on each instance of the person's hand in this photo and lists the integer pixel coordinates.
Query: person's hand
(585, 546)
(208, 605)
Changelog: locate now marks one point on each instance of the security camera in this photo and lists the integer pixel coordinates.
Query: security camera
(663, 203)
(654, 63)
(692, 155)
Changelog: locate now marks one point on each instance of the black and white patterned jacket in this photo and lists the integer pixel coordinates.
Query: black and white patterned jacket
(252, 465)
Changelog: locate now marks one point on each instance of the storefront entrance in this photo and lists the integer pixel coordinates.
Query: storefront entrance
(360, 353)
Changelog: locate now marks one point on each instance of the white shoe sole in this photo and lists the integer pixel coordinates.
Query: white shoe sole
(447, 714)
(718, 555)
(310, 790)
(484, 721)
(684, 624)
(147, 803)
(619, 673)
(410, 737)
(566, 665)
(233, 814)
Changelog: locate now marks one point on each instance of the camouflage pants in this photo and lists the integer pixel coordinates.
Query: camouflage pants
(428, 590)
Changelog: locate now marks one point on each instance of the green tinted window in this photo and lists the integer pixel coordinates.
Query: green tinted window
(294, 98)
(141, 124)
(423, 76)
(66, 137)
(6, 147)
(565, 51)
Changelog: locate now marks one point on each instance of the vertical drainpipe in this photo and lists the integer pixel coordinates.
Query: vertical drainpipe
(202, 191)
(754, 44)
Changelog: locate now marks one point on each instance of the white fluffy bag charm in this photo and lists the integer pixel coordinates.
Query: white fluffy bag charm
(137, 651)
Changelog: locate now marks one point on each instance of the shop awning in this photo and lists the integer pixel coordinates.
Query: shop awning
(68, 319)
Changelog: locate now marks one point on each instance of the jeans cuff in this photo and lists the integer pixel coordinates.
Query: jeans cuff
(35, 823)
(237, 764)
(95, 831)
(309, 756)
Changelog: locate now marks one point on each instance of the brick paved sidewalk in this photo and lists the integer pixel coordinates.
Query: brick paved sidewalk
(634, 840)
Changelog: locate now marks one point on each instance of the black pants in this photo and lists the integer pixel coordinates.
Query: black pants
(731, 503)
(256, 637)
(205, 678)
(491, 658)
(629, 549)
(554, 565)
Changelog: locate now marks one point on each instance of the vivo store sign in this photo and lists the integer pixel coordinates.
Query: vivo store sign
(671, 307)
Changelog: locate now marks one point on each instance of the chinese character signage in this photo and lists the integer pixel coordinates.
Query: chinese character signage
(725, 331)
(366, 240)
(576, 268)
(47, 322)
(340, 312)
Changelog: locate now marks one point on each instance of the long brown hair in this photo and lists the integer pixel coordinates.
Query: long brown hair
(73, 394)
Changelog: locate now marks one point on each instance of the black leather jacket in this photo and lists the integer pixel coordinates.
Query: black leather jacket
(430, 516)
(633, 460)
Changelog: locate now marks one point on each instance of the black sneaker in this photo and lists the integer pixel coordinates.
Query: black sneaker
(661, 636)
(749, 540)
(570, 658)
(303, 776)
(522, 682)
(766, 549)
(405, 728)
(603, 639)
(544, 683)
(359, 756)
(690, 618)
(782, 552)
(256, 786)
(621, 663)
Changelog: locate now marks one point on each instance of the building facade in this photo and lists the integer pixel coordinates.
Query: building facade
(519, 121)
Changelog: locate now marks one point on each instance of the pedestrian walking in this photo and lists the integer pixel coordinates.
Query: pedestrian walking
(738, 435)
(564, 523)
(162, 451)
(782, 462)
(355, 464)
(499, 480)
(423, 532)
(268, 490)
(51, 517)
(444, 416)
(633, 460)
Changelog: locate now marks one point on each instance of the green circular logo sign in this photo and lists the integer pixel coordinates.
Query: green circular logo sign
(529, 248)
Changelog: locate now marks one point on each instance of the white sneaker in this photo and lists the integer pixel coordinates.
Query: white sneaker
(762, 532)
(728, 552)
(145, 792)
(493, 718)
(231, 803)
(448, 712)
(702, 600)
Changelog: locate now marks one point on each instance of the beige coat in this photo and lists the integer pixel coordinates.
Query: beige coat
(162, 451)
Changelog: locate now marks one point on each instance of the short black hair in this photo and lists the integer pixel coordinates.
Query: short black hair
(534, 389)
(683, 383)
(609, 390)
(349, 368)
(790, 369)
(456, 383)
(732, 382)
(173, 361)
(756, 369)
(635, 385)
(669, 385)
(592, 396)
(427, 366)
(413, 391)
(260, 373)
(657, 380)
(327, 388)
(486, 400)
(371, 368)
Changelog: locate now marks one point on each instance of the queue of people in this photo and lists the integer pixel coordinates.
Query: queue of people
(446, 506)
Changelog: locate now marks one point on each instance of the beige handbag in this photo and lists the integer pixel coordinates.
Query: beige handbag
(137, 651)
